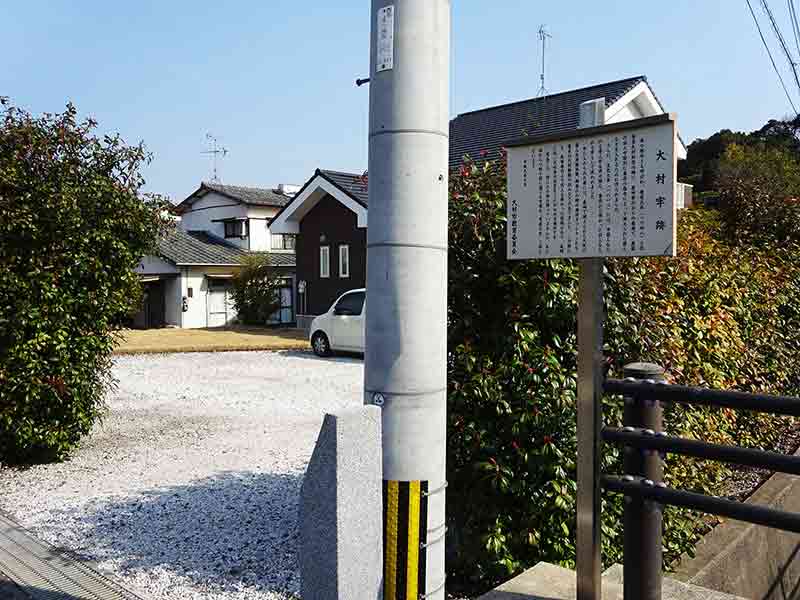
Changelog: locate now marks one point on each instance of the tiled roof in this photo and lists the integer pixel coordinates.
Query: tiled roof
(351, 183)
(280, 259)
(204, 248)
(198, 248)
(249, 195)
(489, 129)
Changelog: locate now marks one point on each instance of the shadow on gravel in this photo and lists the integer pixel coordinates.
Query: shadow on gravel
(339, 357)
(230, 532)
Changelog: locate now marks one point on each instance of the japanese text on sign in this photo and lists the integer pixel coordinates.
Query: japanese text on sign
(385, 60)
(606, 193)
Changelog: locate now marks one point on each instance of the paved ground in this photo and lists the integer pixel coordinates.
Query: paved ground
(152, 341)
(189, 487)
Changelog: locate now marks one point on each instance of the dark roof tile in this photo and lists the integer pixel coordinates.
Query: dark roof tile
(279, 259)
(351, 183)
(487, 130)
(198, 248)
(249, 195)
(204, 248)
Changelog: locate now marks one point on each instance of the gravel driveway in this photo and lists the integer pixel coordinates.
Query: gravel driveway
(188, 489)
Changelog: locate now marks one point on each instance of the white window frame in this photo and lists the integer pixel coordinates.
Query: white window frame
(344, 261)
(324, 262)
(280, 241)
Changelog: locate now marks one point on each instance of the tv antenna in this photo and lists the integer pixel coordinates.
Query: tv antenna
(543, 35)
(215, 151)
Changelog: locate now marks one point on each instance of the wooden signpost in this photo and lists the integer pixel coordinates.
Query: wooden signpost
(601, 191)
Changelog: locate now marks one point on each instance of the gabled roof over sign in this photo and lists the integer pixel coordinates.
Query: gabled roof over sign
(482, 133)
(246, 195)
(350, 189)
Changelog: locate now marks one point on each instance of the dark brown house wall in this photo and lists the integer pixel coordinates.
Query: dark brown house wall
(339, 226)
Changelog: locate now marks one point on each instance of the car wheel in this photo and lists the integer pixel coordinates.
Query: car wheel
(320, 344)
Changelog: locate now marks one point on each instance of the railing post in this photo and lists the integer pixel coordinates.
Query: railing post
(643, 518)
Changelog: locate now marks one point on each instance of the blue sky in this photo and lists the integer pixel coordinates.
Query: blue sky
(273, 79)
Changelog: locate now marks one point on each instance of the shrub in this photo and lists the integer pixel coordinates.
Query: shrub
(73, 225)
(720, 314)
(760, 194)
(255, 290)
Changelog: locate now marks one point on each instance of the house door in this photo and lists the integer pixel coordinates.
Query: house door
(154, 305)
(217, 303)
(286, 294)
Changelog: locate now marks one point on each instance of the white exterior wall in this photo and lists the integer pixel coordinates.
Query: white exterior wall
(196, 317)
(206, 215)
(260, 239)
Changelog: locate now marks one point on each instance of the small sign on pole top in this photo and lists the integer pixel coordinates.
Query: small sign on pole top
(595, 192)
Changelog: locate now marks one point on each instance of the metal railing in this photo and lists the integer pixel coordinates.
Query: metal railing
(645, 443)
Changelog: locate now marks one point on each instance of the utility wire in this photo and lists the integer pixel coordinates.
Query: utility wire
(782, 42)
(795, 24)
(772, 60)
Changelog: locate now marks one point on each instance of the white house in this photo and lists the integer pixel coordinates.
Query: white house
(187, 283)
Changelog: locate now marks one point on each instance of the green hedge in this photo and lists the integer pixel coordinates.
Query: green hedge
(721, 315)
(72, 228)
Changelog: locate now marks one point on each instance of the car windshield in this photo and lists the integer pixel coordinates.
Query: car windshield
(351, 304)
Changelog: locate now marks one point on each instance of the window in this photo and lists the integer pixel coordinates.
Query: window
(344, 261)
(190, 293)
(238, 229)
(283, 241)
(350, 305)
(324, 261)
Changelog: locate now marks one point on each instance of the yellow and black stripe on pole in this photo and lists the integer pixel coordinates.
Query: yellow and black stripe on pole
(405, 525)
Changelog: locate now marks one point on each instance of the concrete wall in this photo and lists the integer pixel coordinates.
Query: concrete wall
(748, 560)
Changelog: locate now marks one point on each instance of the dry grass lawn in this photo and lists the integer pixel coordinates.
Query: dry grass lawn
(156, 341)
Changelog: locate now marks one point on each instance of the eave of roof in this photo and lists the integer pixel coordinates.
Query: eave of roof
(327, 175)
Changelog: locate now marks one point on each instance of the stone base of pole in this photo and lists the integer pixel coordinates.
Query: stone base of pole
(341, 510)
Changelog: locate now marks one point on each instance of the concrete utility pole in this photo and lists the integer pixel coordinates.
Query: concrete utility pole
(406, 331)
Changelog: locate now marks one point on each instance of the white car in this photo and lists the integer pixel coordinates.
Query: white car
(342, 327)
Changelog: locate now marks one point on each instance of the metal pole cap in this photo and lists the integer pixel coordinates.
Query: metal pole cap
(644, 370)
